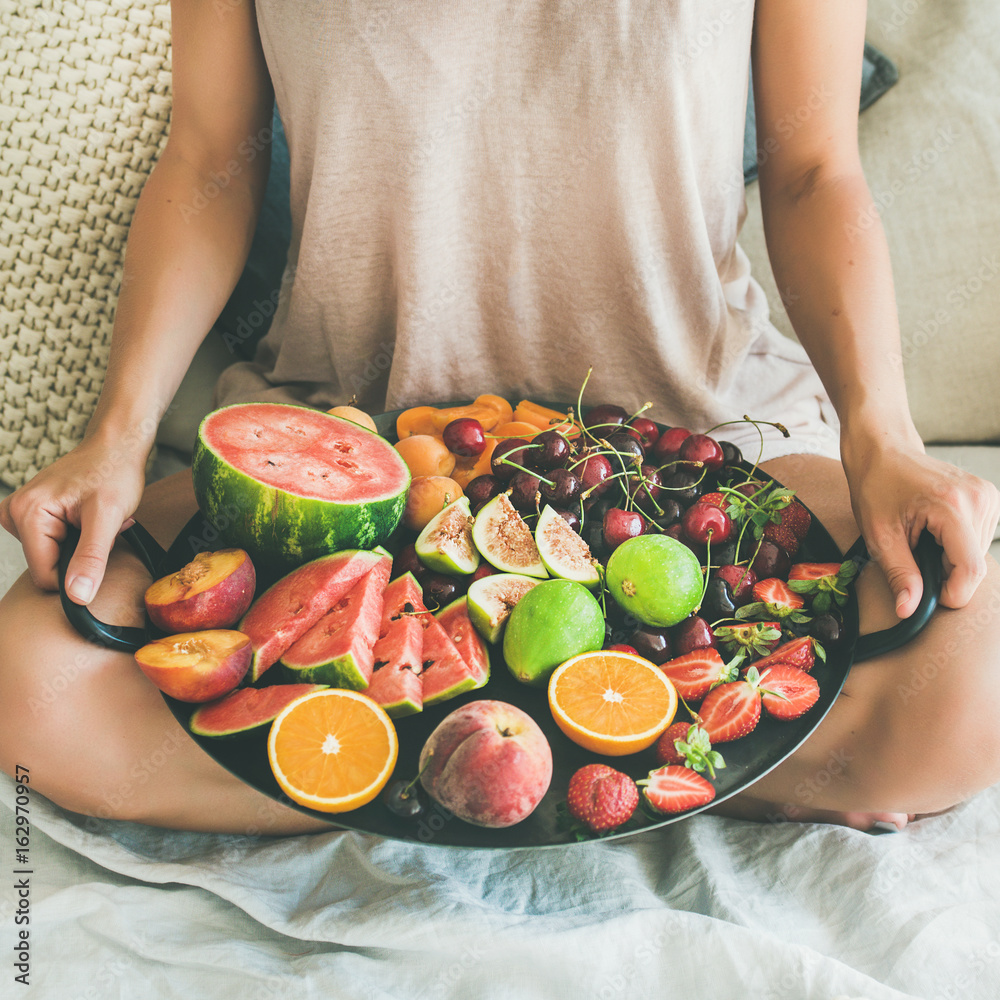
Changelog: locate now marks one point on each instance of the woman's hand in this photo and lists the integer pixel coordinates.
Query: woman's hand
(96, 487)
(896, 492)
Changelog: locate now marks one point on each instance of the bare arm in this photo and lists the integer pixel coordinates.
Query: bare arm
(831, 263)
(187, 245)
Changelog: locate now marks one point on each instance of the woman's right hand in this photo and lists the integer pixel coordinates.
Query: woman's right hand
(96, 487)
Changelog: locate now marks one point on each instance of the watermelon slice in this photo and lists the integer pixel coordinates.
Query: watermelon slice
(455, 620)
(337, 650)
(286, 611)
(246, 709)
(289, 484)
(395, 683)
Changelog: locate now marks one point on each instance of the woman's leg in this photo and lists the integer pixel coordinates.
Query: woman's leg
(94, 732)
(913, 731)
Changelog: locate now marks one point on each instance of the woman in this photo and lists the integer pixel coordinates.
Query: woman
(495, 197)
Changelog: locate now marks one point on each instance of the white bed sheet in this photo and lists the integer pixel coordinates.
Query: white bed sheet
(708, 908)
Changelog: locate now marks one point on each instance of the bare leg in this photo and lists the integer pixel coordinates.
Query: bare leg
(884, 751)
(95, 733)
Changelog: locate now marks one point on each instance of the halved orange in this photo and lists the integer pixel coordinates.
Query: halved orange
(611, 703)
(332, 750)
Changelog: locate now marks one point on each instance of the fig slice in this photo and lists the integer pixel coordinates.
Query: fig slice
(505, 541)
(492, 599)
(563, 552)
(445, 544)
(196, 666)
(213, 591)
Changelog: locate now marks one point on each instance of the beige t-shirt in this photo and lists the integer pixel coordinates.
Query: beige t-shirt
(496, 196)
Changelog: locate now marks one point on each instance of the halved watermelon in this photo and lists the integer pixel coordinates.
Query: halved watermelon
(288, 483)
(246, 709)
(286, 611)
(337, 650)
(455, 620)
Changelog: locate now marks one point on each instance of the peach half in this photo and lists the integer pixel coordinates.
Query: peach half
(196, 666)
(214, 590)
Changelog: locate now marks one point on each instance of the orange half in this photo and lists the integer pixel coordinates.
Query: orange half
(332, 750)
(611, 703)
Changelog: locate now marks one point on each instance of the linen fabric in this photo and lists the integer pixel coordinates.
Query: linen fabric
(498, 197)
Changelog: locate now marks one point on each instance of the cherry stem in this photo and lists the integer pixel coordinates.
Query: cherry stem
(708, 565)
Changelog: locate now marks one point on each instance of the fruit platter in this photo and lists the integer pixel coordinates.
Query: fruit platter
(494, 625)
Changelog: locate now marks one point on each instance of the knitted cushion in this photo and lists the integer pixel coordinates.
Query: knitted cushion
(84, 109)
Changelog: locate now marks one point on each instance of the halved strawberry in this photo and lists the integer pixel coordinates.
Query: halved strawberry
(688, 744)
(731, 710)
(827, 583)
(694, 674)
(674, 789)
(799, 653)
(788, 692)
(772, 597)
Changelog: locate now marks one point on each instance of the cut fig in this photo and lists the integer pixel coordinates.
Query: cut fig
(445, 545)
(212, 591)
(505, 541)
(563, 552)
(492, 599)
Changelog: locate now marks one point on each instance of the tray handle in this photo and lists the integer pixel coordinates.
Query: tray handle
(927, 554)
(122, 638)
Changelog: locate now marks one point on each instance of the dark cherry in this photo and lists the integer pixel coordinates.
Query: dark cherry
(404, 799)
(482, 489)
(731, 455)
(702, 448)
(630, 452)
(798, 629)
(439, 590)
(620, 525)
(647, 430)
(675, 530)
(691, 634)
(652, 643)
(740, 580)
(827, 629)
(594, 471)
(407, 561)
(718, 601)
(570, 517)
(668, 444)
(723, 555)
(749, 487)
(684, 485)
(554, 450)
(646, 489)
(594, 509)
(772, 560)
(704, 521)
(602, 418)
(593, 535)
(524, 489)
(465, 437)
(484, 569)
(512, 449)
(565, 488)
(672, 510)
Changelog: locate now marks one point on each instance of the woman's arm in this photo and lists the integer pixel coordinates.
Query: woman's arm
(831, 263)
(187, 245)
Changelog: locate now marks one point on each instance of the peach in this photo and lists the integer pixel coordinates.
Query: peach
(214, 590)
(197, 666)
(488, 763)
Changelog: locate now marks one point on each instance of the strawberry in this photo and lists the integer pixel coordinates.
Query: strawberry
(773, 598)
(783, 536)
(688, 744)
(748, 639)
(827, 583)
(719, 500)
(732, 710)
(790, 692)
(694, 674)
(799, 653)
(601, 798)
(797, 519)
(674, 789)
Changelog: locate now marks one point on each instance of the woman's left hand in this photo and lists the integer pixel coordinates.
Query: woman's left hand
(896, 492)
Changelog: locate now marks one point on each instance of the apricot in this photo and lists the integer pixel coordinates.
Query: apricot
(214, 590)
(428, 496)
(356, 416)
(197, 666)
(426, 456)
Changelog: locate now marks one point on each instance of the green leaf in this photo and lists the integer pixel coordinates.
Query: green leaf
(821, 603)
(803, 586)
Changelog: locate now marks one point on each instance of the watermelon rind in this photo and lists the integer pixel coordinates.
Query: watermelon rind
(351, 627)
(279, 528)
(245, 710)
(289, 608)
